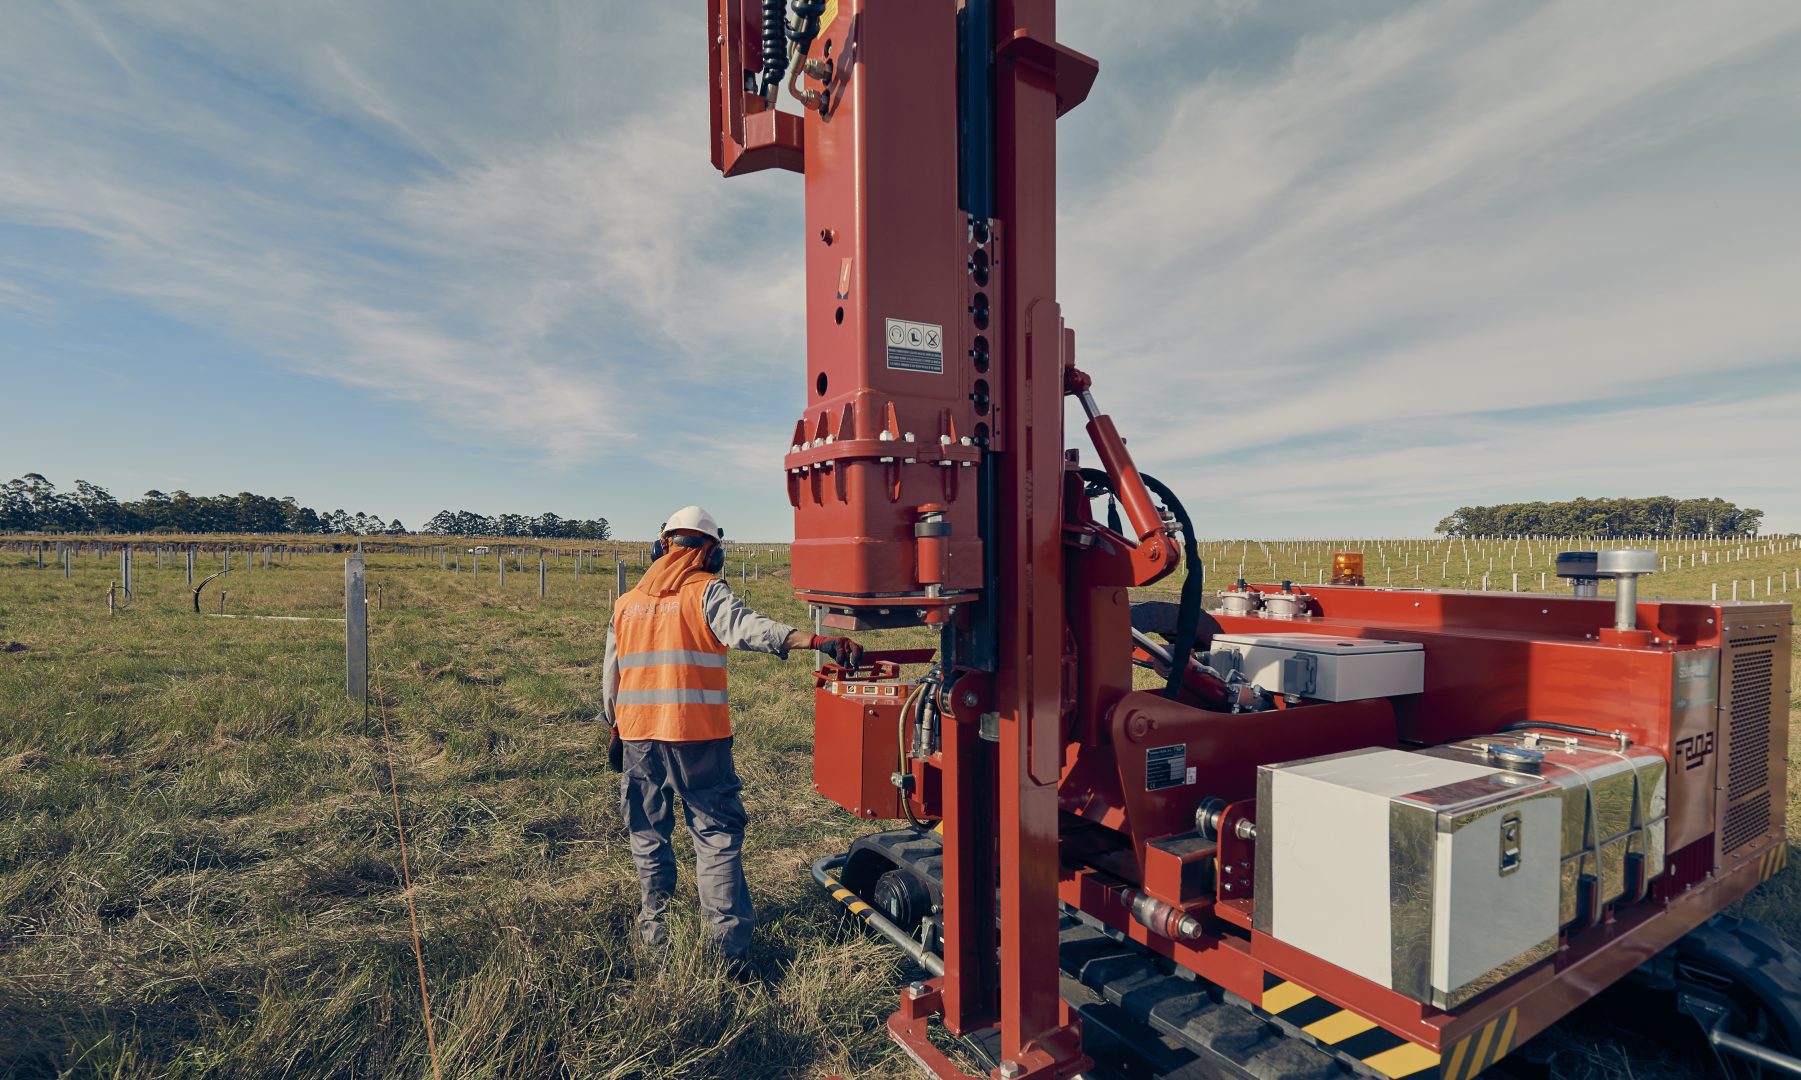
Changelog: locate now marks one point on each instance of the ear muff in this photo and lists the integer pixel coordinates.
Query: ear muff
(715, 561)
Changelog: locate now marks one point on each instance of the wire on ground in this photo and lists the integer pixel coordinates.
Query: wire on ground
(406, 873)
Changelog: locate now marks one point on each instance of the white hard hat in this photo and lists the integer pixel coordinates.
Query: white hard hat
(692, 519)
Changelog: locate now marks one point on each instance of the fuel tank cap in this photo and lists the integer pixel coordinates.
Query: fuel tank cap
(1516, 758)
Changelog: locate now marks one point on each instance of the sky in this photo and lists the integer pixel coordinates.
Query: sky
(1337, 269)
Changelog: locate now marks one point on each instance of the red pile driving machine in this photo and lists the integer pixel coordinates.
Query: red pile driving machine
(1351, 831)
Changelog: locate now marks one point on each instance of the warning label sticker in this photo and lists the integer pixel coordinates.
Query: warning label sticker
(915, 346)
(1165, 766)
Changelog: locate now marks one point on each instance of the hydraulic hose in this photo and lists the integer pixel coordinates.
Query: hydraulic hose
(1547, 725)
(1188, 610)
(775, 46)
(910, 710)
(1188, 613)
(806, 23)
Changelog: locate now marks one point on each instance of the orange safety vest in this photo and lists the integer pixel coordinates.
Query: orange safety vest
(671, 667)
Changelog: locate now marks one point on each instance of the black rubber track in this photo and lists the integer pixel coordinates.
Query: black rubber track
(1220, 1032)
(1763, 963)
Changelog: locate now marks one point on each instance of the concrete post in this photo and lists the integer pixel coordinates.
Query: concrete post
(356, 631)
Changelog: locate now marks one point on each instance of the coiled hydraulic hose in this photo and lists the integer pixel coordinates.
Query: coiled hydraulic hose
(779, 35)
(775, 47)
(1188, 609)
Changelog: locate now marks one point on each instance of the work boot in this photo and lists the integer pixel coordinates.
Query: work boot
(656, 953)
(743, 970)
(651, 929)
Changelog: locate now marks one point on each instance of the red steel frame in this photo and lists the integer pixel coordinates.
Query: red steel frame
(1050, 804)
(1028, 593)
(878, 446)
(1492, 659)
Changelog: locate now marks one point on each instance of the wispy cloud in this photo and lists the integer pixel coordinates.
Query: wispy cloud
(1385, 235)
(1454, 210)
(20, 297)
(535, 284)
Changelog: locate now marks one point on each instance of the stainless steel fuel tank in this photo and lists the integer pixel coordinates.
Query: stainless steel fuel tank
(1614, 806)
(1441, 873)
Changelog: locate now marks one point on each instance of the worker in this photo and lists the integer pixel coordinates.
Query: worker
(664, 693)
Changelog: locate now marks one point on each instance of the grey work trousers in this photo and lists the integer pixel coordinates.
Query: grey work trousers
(701, 774)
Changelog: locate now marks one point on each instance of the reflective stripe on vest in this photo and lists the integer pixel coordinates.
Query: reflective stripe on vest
(672, 668)
(658, 657)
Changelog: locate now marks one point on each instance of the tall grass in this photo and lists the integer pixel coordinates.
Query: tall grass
(198, 868)
(198, 864)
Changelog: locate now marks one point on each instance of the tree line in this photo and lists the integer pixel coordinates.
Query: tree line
(1655, 516)
(547, 526)
(33, 504)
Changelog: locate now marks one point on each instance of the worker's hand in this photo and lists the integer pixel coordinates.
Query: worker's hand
(843, 651)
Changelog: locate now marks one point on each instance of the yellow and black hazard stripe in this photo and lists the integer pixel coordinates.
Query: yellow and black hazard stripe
(1775, 861)
(1382, 1051)
(1476, 1052)
(849, 899)
(1346, 1032)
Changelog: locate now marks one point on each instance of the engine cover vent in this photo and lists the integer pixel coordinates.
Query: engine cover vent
(1745, 822)
(1751, 771)
(1748, 769)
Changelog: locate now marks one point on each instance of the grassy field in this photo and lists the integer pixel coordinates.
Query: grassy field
(198, 867)
(198, 863)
